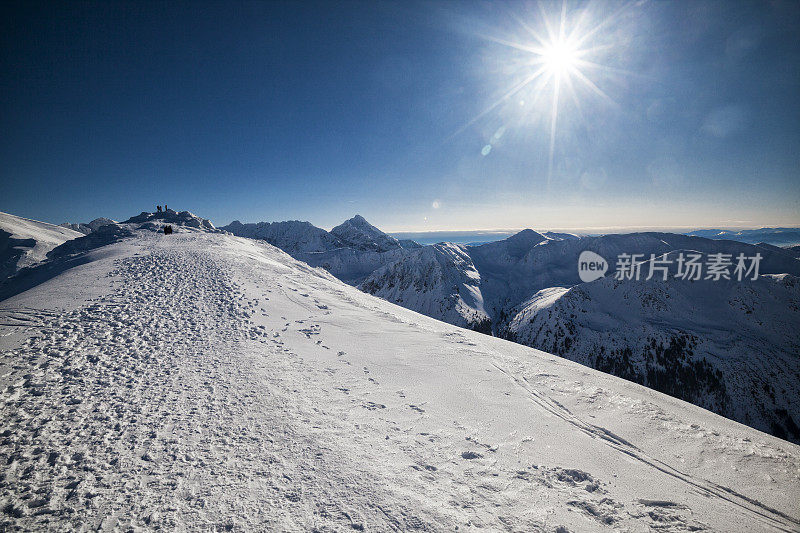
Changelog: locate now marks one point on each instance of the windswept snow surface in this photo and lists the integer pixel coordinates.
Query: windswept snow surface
(200, 381)
(25, 242)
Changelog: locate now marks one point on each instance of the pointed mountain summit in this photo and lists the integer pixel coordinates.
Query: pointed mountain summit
(359, 234)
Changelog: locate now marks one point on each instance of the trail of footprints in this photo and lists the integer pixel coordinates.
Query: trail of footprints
(115, 418)
(120, 416)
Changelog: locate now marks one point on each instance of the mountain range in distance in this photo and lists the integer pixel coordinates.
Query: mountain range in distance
(776, 236)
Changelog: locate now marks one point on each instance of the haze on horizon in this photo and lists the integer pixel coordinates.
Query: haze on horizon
(421, 116)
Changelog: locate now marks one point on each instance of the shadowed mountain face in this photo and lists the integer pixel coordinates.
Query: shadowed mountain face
(794, 251)
(24, 243)
(730, 347)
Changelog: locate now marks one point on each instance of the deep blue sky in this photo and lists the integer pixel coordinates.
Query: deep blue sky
(317, 111)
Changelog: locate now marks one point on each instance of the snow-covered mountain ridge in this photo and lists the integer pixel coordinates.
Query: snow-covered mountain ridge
(57, 247)
(200, 381)
(350, 251)
(293, 237)
(359, 234)
(499, 288)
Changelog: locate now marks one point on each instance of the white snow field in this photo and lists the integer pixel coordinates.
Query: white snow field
(201, 381)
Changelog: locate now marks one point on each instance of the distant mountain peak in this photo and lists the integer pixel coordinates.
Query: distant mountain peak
(527, 235)
(360, 234)
(358, 219)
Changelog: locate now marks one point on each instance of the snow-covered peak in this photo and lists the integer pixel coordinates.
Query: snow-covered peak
(557, 236)
(358, 220)
(359, 234)
(409, 244)
(512, 248)
(158, 220)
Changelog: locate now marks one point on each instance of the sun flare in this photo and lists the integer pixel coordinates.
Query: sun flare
(559, 57)
(555, 61)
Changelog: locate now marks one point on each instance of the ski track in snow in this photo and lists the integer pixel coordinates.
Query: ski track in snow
(186, 399)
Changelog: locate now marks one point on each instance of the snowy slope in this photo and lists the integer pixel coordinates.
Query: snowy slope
(353, 265)
(200, 381)
(731, 347)
(25, 242)
(71, 253)
(560, 236)
(445, 282)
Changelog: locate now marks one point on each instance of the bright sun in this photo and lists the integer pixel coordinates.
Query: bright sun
(559, 57)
